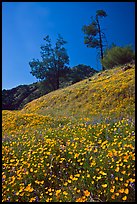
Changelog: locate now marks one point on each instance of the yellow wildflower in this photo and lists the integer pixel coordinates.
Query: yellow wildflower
(124, 198)
(86, 193)
(112, 190)
(121, 190)
(31, 170)
(126, 191)
(65, 193)
(116, 178)
(32, 199)
(58, 192)
(117, 169)
(113, 197)
(104, 185)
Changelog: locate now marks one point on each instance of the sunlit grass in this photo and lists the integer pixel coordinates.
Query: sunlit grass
(77, 158)
(111, 92)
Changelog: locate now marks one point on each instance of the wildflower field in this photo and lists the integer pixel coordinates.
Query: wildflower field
(52, 152)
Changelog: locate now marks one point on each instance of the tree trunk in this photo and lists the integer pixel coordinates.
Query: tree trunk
(57, 81)
(100, 41)
(57, 77)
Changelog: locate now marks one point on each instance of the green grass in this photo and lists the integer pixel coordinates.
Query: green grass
(76, 144)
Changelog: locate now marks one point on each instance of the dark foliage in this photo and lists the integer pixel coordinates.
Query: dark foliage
(54, 63)
(116, 55)
(80, 72)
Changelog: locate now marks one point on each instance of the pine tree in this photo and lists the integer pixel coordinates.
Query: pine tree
(94, 35)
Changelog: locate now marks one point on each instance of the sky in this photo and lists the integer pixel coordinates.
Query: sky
(25, 24)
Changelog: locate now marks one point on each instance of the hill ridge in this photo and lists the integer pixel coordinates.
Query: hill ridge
(108, 88)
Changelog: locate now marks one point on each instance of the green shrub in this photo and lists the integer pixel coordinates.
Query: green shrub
(116, 55)
(80, 72)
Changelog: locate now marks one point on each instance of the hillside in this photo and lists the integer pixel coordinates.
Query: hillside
(16, 98)
(106, 93)
(76, 144)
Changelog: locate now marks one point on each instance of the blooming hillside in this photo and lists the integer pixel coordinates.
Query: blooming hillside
(75, 144)
(106, 93)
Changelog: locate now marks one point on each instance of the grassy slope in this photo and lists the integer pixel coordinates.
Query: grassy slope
(108, 92)
(77, 131)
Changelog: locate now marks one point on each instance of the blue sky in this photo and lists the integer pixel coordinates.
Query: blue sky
(25, 24)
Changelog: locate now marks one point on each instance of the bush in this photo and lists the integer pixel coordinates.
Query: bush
(116, 55)
(80, 72)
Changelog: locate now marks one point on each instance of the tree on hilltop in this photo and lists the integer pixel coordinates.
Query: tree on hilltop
(94, 35)
(54, 64)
